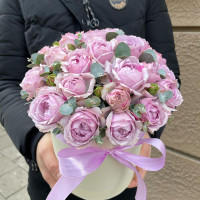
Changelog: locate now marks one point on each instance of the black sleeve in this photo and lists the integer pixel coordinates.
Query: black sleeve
(159, 34)
(13, 61)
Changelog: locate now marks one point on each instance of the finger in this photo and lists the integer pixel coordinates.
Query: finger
(51, 164)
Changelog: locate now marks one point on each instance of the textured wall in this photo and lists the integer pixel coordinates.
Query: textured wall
(180, 179)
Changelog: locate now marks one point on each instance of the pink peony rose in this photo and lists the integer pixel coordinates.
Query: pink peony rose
(82, 126)
(128, 72)
(155, 113)
(66, 39)
(119, 99)
(55, 53)
(100, 49)
(171, 85)
(44, 50)
(136, 44)
(44, 109)
(77, 61)
(153, 73)
(122, 128)
(97, 33)
(77, 85)
(32, 81)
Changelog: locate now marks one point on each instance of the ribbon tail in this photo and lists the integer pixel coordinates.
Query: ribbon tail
(141, 193)
(64, 187)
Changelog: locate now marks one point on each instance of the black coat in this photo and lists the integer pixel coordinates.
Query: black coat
(26, 26)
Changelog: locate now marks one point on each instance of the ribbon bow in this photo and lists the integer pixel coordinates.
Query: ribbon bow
(75, 165)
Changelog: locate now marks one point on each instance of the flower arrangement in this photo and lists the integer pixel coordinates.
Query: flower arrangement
(100, 84)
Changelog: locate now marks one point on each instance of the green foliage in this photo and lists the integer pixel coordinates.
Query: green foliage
(98, 140)
(111, 35)
(31, 65)
(92, 102)
(56, 131)
(152, 52)
(163, 97)
(97, 91)
(56, 43)
(23, 94)
(120, 32)
(71, 47)
(56, 67)
(162, 73)
(153, 89)
(68, 107)
(50, 80)
(122, 51)
(97, 70)
(145, 127)
(138, 109)
(146, 57)
(37, 58)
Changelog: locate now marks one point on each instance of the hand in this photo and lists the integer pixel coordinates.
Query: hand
(145, 151)
(47, 161)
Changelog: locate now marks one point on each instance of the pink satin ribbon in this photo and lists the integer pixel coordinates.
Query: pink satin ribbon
(75, 165)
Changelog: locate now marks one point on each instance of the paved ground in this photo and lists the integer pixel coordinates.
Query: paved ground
(13, 171)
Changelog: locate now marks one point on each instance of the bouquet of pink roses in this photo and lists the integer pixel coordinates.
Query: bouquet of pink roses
(100, 86)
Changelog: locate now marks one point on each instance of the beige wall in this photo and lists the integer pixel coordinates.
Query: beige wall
(180, 179)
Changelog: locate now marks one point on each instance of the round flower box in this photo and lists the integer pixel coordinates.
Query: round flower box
(109, 180)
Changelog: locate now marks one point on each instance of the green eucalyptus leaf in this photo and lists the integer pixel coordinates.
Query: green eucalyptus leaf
(120, 32)
(79, 36)
(178, 85)
(31, 65)
(88, 103)
(56, 67)
(122, 50)
(46, 69)
(168, 95)
(98, 140)
(37, 58)
(45, 74)
(71, 47)
(138, 109)
(153, 89)
(23, 94)
(162, 73)
(161, 98)
(97, 70)
(137, 113)
(72, 102)
(80, 44)
(66, 109)
(93, 102)
(141, 108)
(56, 131)
(84, 46)
(111, 35)
(56, 43)
(77, 42)
(152, 52)
(96, 100)
(146, 57)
